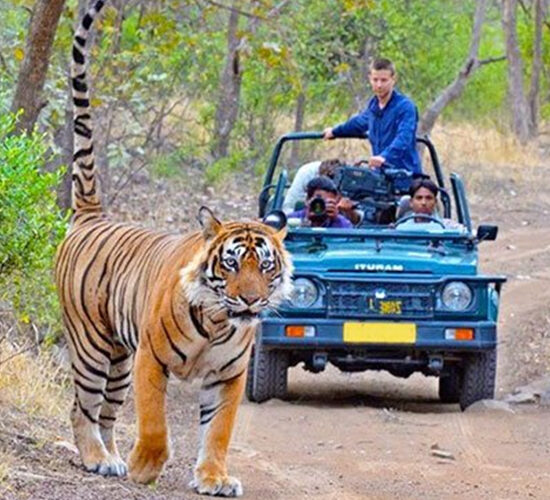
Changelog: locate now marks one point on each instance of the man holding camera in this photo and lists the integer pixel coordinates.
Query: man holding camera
(321, 208)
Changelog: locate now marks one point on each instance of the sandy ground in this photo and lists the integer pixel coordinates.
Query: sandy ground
(359, 436)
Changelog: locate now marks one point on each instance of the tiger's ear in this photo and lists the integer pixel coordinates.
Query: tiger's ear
(210, 225)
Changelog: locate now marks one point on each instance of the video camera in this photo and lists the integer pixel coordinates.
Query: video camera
(376, 191)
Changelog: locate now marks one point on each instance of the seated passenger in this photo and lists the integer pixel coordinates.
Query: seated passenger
(297, 191)
(296, 194)
(423, 201)
(321, 208)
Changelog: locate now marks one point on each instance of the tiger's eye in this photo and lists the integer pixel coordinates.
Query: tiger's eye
(231, 262)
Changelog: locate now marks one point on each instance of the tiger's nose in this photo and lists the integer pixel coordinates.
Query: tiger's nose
(250, 298)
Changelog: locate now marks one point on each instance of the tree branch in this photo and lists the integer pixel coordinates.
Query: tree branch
(234, 9)
(490, 60)
(455, 88)
(275, 11)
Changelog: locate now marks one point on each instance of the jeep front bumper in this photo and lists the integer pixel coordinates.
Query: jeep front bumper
(329, 333)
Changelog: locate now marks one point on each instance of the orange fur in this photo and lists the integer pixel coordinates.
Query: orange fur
(119, 286)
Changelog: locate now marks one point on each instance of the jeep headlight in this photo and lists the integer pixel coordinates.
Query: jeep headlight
(304, 293)
(456, 296)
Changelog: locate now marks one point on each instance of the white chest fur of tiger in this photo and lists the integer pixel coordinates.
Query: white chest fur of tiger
(182, 304)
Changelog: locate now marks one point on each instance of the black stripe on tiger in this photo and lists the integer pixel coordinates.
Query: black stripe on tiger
(237, 357)
(228, 336)
(211, 385)
(86, 413)
(79, 85)
(175, 321)
(77, 55)
(118, 388)
(173, 345)
(207, 414)
(164, 366)
(198, 326)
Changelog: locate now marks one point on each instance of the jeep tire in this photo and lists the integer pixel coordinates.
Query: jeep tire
(478, 381)
(267, 374)
(450, 384)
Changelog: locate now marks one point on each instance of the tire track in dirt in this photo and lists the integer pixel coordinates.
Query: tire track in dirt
(465, 440)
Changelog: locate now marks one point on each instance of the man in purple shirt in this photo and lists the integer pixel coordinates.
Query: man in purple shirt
(321, 205)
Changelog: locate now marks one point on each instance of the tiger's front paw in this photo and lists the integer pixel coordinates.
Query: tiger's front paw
(221, 486)
(146, 462)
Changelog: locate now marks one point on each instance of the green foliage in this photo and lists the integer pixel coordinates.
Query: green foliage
(155, 68)
(173, 165)
(31, 223)
(216, 172)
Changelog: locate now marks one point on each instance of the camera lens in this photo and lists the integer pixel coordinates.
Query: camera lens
(317, 207)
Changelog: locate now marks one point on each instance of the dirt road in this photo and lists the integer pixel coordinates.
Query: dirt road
(360, 436)
(371, 435)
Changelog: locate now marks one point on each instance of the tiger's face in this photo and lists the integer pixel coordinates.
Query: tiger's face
(244, 269)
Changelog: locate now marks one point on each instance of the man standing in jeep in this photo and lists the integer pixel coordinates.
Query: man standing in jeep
(390, 118)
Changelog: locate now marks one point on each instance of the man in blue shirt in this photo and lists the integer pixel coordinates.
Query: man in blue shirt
(390, 118)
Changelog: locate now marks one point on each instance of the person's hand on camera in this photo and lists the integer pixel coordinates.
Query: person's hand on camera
(348, 208)
(331, 208)
(376, 161)
(345, 205)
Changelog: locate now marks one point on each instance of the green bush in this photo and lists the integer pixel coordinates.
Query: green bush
(31, 225)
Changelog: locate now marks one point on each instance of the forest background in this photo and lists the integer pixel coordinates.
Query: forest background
(195, 92)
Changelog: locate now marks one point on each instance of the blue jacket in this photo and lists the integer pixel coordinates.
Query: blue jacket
(392, 130)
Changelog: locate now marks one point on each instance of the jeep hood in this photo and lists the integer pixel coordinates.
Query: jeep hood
(385, 256)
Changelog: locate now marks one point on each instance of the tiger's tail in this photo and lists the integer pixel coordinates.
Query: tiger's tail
(85, 192)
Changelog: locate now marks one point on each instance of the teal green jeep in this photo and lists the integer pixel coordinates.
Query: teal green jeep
(385, 294)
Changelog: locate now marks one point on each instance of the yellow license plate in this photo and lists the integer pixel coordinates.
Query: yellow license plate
(384, 307)
(380, 333)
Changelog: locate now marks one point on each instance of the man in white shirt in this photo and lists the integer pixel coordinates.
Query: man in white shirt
(297, 191)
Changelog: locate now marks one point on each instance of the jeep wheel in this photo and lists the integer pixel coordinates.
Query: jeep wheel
(267, 375)
(449, 385)
(478, 381)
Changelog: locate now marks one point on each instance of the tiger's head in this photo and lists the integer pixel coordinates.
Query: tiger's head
(243, 267)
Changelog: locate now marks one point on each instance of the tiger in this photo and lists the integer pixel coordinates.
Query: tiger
(139, 305)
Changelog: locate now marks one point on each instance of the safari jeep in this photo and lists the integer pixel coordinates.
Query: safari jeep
(380, 296)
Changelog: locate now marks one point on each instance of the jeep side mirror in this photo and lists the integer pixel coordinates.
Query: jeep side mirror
(487, 233)
(276, 219)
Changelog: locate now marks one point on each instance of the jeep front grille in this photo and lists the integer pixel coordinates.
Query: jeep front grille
(380, 300)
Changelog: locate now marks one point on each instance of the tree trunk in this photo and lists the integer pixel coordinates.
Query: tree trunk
(455, 89)
(536, 68)
(298, 126)
(32, 74)
(520, 109)
(66, 143)
(230, 89)
(369, 47)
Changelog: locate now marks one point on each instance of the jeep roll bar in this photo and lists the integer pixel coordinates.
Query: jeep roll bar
(301, 136)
